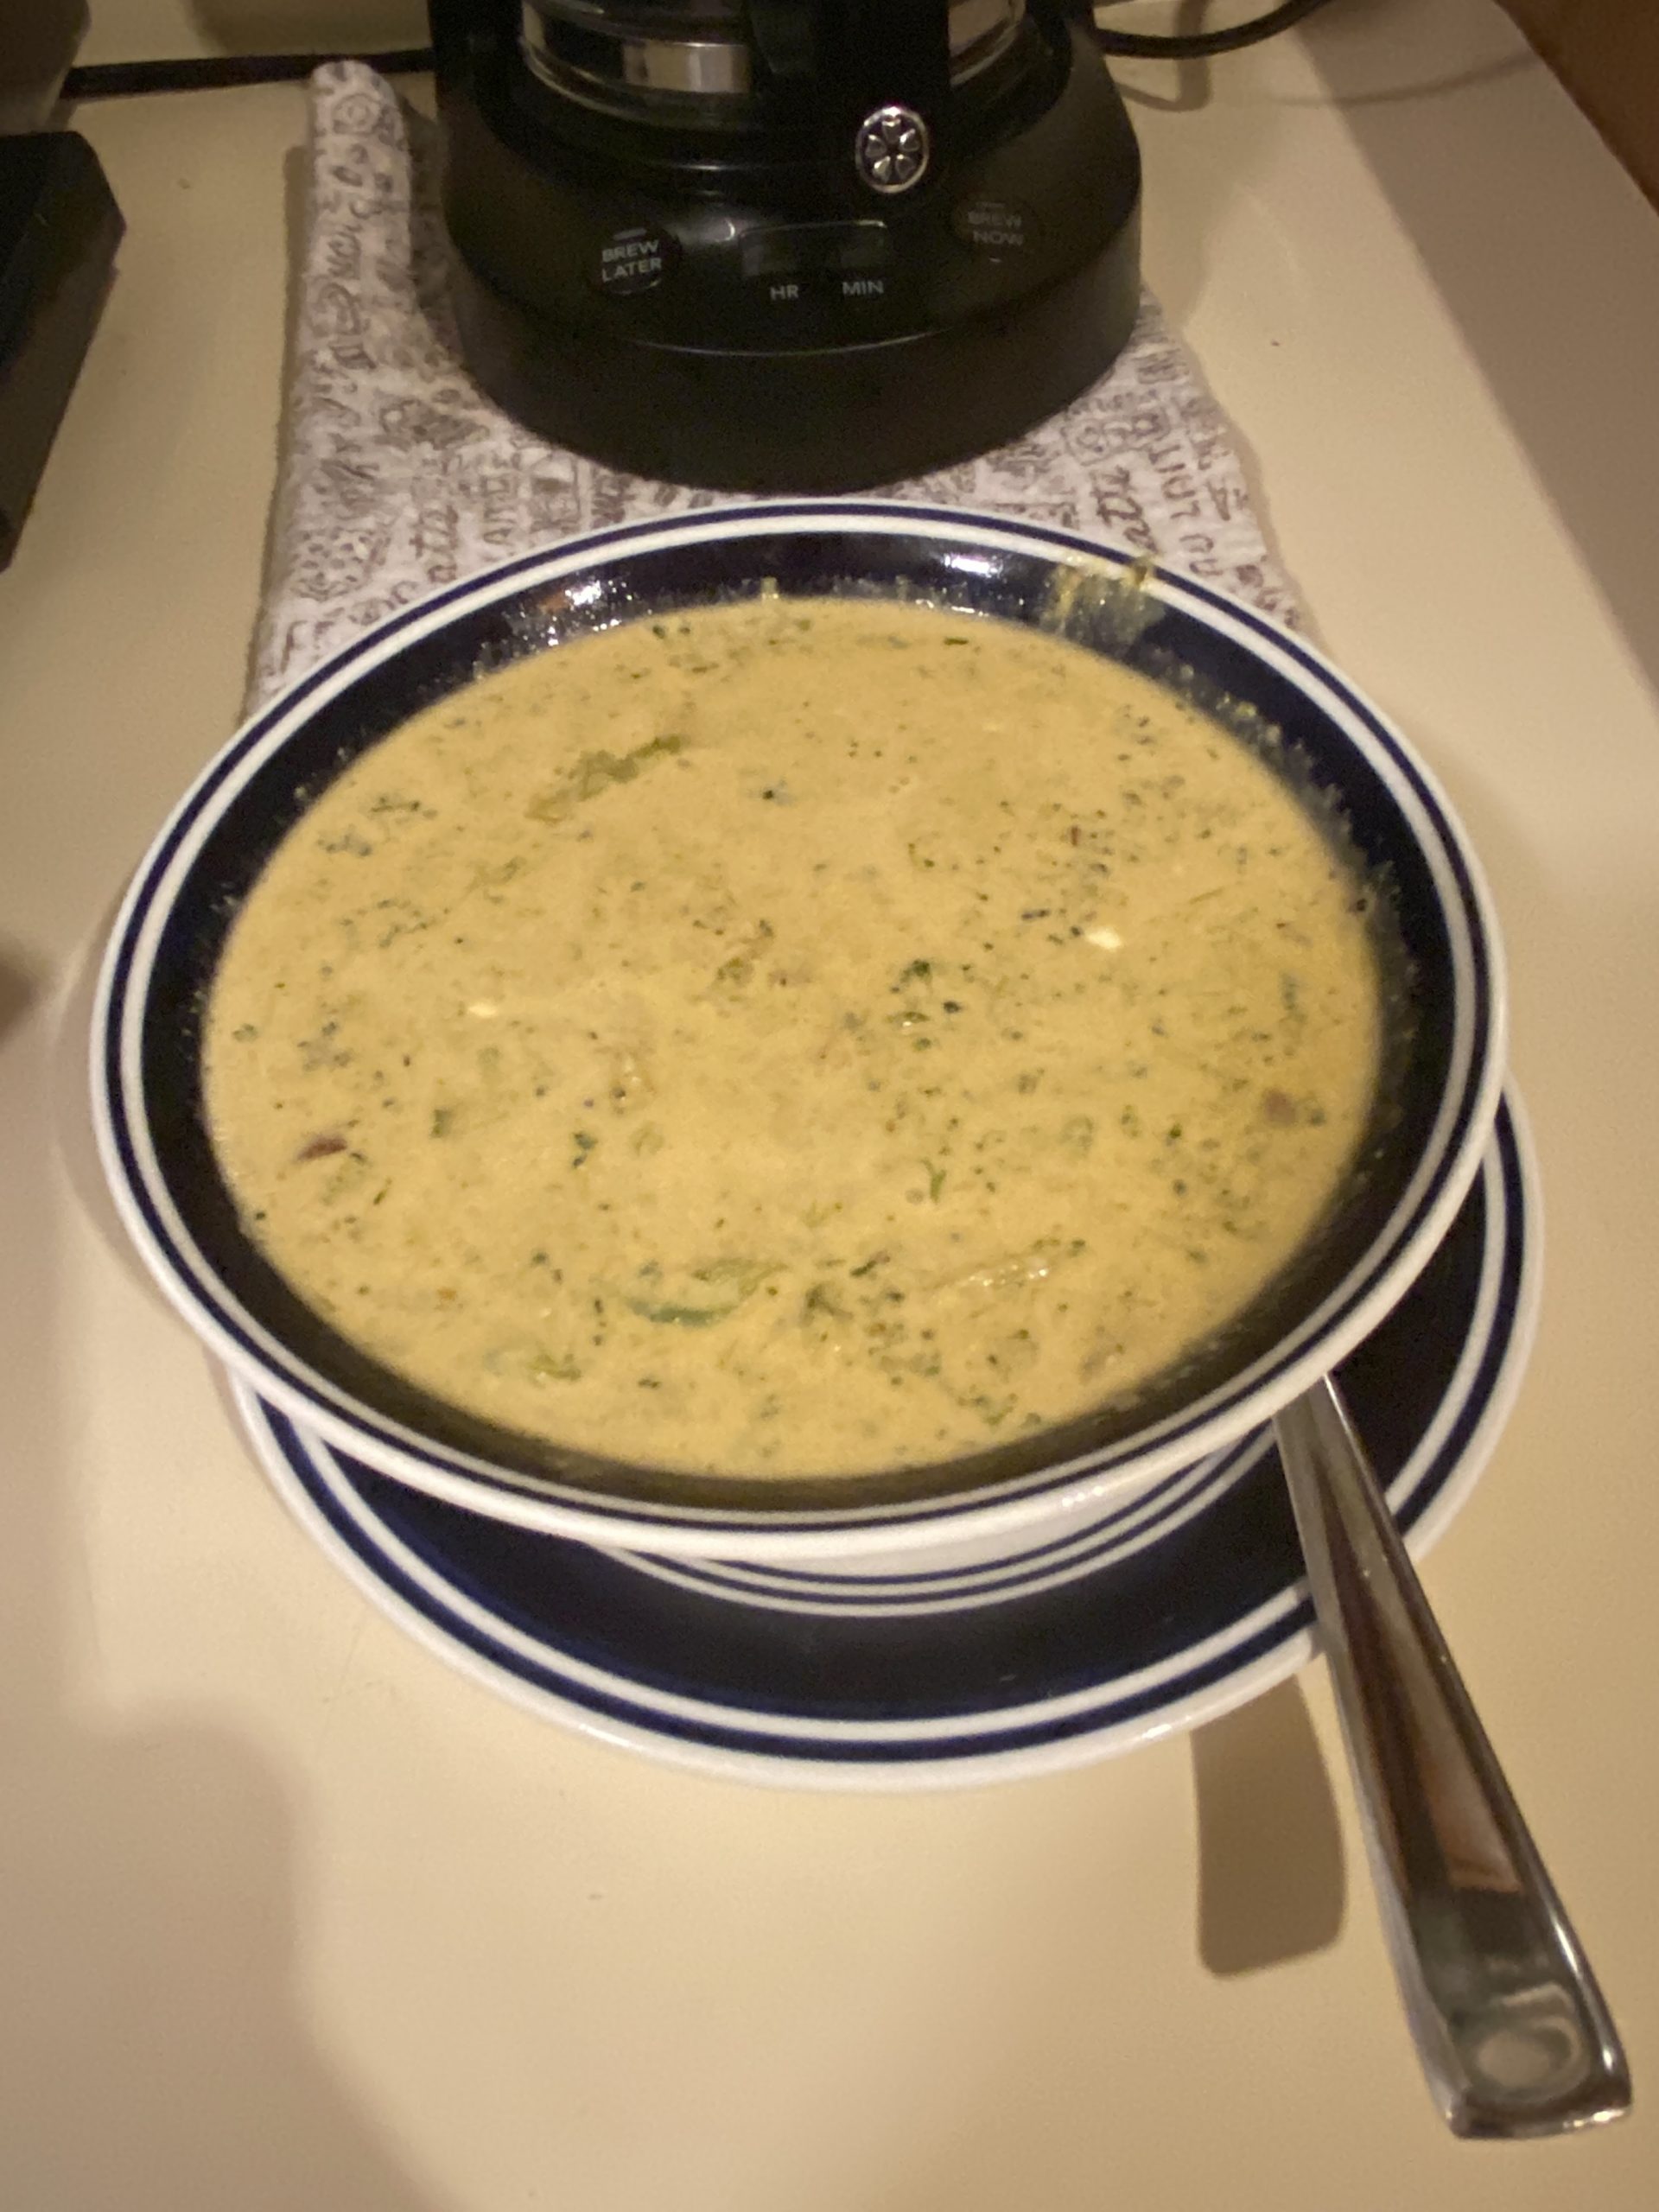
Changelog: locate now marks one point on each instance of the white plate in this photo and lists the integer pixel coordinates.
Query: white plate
(1159, 1614)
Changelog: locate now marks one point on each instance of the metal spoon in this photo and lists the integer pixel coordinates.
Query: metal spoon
(1510, 2027)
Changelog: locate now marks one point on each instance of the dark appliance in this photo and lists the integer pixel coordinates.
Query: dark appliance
(785, 245)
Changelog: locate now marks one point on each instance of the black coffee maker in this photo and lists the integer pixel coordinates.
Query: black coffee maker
(785, 245)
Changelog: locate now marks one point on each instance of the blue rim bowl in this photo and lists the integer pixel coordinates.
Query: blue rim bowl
(1417, 1166)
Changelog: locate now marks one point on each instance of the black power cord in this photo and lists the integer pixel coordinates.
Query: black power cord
(1196, 46)
(105, 80)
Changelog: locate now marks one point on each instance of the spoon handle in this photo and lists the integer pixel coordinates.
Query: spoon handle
(1512, 2031)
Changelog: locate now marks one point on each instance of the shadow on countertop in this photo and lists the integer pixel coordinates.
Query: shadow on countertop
(1272, 1881)
(1568, 360)
(155, 2048)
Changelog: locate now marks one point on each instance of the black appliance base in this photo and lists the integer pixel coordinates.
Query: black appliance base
(59, 230)
(842, 419)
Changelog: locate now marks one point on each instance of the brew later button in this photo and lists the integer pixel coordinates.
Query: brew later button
(633, 260)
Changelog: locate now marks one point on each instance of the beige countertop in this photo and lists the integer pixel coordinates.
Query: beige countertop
(295, 1914)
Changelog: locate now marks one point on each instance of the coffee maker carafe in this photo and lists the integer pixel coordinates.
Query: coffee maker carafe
(785, 245)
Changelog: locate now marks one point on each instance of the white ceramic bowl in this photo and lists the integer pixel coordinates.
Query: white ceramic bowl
(1416, 1170)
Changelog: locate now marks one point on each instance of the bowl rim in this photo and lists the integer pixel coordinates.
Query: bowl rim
(1420, 1218)
(1170, 1693)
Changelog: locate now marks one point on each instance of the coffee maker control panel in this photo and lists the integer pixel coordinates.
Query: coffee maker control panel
(735, 277)
(783, 262)
(775, 264)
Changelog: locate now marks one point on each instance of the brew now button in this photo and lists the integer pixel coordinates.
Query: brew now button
(996, 228)
(634, 260)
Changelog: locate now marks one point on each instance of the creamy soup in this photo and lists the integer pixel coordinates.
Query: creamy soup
(807, 1036)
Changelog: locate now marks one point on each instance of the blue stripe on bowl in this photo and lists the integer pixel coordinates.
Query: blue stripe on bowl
(1215, 1614)
(191, 1281)
(1131, 1528)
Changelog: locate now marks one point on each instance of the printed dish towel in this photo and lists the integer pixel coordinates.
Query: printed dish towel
(397, 476)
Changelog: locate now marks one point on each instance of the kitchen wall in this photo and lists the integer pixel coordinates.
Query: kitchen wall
(158, 30)
(36, 46)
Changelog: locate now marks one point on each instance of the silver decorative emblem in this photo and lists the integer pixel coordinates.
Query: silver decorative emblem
(891, 149)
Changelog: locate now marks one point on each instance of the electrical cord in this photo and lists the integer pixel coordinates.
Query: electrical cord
(104, 81)
(1196, 46)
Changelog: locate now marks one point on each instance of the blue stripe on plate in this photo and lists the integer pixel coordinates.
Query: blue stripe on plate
(1214, 1614)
